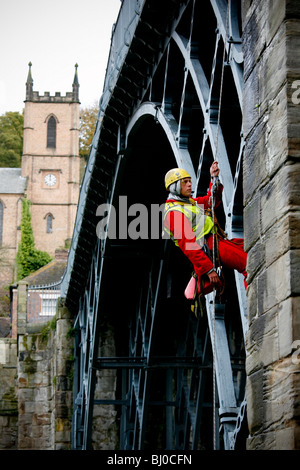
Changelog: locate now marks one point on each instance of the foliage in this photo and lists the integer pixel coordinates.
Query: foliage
(11, 139)
(29, 259)
(50, 326)
(88, 120)
(4, 302)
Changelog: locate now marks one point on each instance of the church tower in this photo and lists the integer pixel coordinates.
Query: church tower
(50, 162)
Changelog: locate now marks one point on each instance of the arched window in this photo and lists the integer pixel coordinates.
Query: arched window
(49, 222)
(19, 213)
(51, 133)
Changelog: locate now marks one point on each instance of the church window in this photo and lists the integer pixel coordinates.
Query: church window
(51, 133)
(49, 219)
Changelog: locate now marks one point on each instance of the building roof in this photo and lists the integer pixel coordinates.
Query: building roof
(11, 181)
(51, 273)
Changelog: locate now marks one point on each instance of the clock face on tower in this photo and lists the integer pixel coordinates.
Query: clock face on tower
(50, 179)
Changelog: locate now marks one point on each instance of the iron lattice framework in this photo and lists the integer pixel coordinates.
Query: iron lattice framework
(170, 62)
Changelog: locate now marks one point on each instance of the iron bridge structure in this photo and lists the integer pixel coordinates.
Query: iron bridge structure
(172, 97)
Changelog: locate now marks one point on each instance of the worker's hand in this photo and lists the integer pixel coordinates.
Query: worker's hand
(213, 277)
(214, 169)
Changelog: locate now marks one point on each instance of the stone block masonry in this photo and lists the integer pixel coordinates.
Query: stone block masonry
(8, 394)
(271, 43)
(105, 428)
(45, 386)
(36, 380)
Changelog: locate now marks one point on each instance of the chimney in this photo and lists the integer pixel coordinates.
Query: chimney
(61, 254)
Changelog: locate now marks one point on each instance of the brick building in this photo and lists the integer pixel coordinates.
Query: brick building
(49, 175)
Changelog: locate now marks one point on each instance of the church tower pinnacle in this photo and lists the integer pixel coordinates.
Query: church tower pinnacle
(76, 85)
(29, 84)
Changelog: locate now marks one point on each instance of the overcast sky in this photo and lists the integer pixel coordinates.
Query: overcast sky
(54, 35)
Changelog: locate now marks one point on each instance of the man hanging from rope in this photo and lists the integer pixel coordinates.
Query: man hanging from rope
(189, 225)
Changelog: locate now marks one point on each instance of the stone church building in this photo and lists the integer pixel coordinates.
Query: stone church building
(48, 177)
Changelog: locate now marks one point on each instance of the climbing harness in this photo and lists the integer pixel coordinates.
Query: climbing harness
(200, 220)
(203, 225)
(197, 289)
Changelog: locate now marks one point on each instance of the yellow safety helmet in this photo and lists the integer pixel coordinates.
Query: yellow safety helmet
(174, 175)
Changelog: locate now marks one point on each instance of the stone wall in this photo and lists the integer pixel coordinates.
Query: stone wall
(8, 394)
(45, 367)
(105, 433)
(36, 381)
(271, 43)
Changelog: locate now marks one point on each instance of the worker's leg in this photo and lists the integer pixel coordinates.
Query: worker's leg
(232, 255)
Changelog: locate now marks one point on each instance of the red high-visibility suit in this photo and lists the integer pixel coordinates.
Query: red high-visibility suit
(231, 252)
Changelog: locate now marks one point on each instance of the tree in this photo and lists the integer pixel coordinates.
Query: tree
(11, 139)
(28, 259)
(88, 120)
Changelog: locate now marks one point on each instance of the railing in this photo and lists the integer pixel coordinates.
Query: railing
(42, 301)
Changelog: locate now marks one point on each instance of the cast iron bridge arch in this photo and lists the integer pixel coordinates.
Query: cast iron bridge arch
(159, 109)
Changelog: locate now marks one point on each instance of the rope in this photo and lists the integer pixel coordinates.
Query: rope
(213, 247)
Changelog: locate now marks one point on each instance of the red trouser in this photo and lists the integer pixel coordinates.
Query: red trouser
(231, 254)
